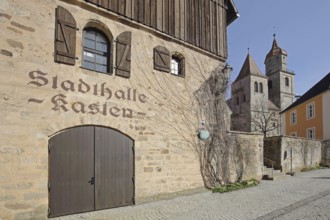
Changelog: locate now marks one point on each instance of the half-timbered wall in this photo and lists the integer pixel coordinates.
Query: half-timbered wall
(201, 23)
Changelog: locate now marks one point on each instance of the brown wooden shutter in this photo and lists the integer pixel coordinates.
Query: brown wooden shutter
(65, 37)
(123, 54)
(162, 59)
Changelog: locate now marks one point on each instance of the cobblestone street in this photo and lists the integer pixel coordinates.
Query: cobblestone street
(303, 196)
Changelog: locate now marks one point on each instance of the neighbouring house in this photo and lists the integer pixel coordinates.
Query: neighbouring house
(98, 103)
(309, 116)
(257, 99)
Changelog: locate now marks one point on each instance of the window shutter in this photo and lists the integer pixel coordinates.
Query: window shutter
(162, 59)
(65, 37)
(123, 54)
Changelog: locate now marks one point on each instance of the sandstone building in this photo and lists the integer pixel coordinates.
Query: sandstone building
(98, 105)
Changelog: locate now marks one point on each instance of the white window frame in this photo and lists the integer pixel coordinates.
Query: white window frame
(293, 122)
(313, 133)
(312, 115)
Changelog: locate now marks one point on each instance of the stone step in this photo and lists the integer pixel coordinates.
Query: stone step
(270, 174)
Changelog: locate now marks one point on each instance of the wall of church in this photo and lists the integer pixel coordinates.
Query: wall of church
(240, 105)
(281, 92)
(274, 89)
(259, 97)
(287, 90)
(40, 98)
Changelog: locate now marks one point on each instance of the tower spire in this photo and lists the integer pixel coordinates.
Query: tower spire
(275, 50)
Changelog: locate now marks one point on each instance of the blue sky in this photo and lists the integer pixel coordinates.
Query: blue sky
(302, 28)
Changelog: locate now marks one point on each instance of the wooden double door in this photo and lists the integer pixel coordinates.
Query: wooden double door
(90, 168)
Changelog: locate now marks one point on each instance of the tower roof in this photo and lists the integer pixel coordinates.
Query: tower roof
(249, 68)
(275, 50)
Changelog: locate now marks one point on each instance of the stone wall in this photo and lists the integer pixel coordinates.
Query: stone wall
(163, 125)
(326, 152)
(292, 154)
(250, 150)
(272, 151)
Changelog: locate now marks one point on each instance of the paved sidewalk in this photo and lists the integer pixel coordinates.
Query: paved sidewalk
(303, 196)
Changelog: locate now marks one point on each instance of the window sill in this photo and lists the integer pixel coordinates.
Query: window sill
(182, 76)
(106, 73)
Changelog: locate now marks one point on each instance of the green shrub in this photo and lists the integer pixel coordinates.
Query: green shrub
(236, 186)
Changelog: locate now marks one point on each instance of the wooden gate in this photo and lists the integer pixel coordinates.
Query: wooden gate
(90, 168)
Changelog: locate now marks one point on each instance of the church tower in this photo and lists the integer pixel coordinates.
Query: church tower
(248, 91)
(280, 79)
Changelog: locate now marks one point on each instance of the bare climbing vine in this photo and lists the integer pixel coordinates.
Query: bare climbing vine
(220, 152)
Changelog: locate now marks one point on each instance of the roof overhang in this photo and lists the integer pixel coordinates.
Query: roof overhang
(232, 12)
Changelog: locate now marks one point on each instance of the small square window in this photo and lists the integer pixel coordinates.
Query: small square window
(177, 65)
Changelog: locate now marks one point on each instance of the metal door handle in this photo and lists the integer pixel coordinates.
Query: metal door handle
(91, 181)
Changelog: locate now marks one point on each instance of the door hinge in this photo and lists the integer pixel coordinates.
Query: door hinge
(49, 148)
(133, 180)
(48, 186)
(133, 201)
(48, 212)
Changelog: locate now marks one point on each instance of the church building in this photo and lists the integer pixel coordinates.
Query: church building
(257, 98)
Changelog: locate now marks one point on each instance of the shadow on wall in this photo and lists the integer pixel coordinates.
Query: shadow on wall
(222, 156)
(292, 154)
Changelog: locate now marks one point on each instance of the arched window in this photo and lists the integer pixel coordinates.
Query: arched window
(255, 87)
(177, 65)
(261, 88)
(287, 81)
(96, 49)
(270, 84)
